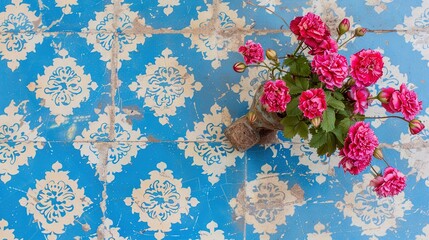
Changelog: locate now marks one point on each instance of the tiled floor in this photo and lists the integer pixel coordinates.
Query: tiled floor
(112, 119)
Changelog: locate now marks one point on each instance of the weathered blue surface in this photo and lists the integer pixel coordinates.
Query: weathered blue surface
(112, 116)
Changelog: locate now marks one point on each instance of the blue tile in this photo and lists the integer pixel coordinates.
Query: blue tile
(113, 114)
(175, 15)
(191, 199)
(53, 192)
(35, 93)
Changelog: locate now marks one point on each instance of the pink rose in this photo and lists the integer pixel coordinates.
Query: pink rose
(354, 166)
(415, 126)
(410, 104)
(252, 52)
(309, 26)
(331, 68)
(316, 48)
(360, 96)
(390, 184)
(276, 96)
(366, 67)
(312, 103)
(359, 146)
(391, 99)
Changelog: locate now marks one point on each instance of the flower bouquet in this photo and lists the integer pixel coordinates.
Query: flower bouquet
(317, 94)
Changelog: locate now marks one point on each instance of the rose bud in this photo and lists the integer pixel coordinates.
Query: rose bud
(344, 26)
(350, 82)
(359, 32)
(378, 154)
(239, 67)
(385, 94)
(251, 116)
(271, 54)
(316, 121)
(416, 126)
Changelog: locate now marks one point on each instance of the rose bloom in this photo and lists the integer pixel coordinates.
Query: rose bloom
(390, 184)
(366, 67)
(410, 104)
(360, 96)
(359, 146)
(316, 48)
(354, 166)
(309, 26)
(312, 103)
(416, 126)
(276, 96)
(252, 52)
(331, 68)
(391, 99)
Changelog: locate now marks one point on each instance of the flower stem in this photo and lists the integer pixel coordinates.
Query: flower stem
(393, 116)
(375, 171)
(348, 40)
(386, 162)
(299, 46)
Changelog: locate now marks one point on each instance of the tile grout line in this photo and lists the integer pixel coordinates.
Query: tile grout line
(103, 146)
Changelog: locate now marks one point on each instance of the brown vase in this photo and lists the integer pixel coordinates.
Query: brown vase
(257, 127)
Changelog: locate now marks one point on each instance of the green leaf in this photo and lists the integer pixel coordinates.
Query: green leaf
(318, 139)
(335, 103)
(290, 121)
(302, 66)
(302, 83)
(345, 124)
(289, 131)
(338, 95)
(292, 107)
(328, 120)
(331, 143)
(339, 134)
(289, 126)
(298, 65)
(322, 150)
(302, 129)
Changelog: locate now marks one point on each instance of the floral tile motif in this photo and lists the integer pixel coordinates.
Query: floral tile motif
(63, 87)
(165, 86)
(19, 141)
(109, 157)
(321, 233)
(418, 19)
(266, 202)
(56, 201)
(5, 232)
(210, 43)
(161, 200)
(17, 33)
(117, 32)
(207, 145)
(425, 234)
(375, 216)
(213, 233)
(169, 14)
